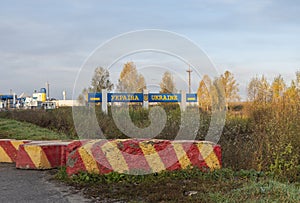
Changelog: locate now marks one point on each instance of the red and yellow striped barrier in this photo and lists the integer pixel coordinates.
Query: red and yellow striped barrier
(145, 156)
(42, 155)
(74, 145)
(9, 149)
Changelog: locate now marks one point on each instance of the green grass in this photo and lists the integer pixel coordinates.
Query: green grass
(11, 129)
(223, 185)
(262, 191)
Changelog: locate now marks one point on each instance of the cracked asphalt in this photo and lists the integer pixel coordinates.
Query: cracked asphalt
(34, 186)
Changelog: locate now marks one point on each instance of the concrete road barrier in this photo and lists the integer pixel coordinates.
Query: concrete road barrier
(74, 145)
(42, 155)
(9, 149)
(143, 156)
(137, 156)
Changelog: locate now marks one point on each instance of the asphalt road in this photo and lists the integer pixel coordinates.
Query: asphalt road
(33, 186)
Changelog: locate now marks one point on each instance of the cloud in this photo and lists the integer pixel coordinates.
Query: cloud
(49, 40)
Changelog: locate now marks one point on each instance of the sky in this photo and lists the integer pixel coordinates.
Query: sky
(44, 41)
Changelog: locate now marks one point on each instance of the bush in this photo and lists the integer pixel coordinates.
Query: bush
(261, 137)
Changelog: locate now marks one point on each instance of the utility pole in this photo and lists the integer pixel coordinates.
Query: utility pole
(189, 72)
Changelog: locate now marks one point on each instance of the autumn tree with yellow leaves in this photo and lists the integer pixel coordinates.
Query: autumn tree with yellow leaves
(278, 88)
(230, 86)
(130, 80)
(217, 93)
(259, 90)
(167, 84)
(292, 93)
(203, 92)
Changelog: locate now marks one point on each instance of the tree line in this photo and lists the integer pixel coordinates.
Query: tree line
(130, 80)
(261, 91)
(210, 91)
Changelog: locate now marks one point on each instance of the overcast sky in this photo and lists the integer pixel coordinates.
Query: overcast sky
(50, 40)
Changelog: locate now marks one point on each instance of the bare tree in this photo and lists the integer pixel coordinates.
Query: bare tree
(297, 79)
(101, 80)
(167, 84)
(253, 89)
(83, 97)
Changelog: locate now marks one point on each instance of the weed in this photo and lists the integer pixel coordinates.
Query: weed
(223, 185)
(264, 137)
(22, 130)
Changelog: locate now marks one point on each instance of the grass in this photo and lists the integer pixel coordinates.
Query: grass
(12, 129)
(191, 185)
(266, 138)
(262, 191)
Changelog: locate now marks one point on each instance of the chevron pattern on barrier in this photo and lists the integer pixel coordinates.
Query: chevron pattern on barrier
(42, 155)
(9, 149)
(74, 145)
(147, 156)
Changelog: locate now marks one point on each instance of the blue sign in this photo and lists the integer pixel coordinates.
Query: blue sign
(125, 97)
(95, 97)
(156, 97)
(191, 97)
(6, 97)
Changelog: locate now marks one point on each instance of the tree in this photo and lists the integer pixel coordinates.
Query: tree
(101, 80)
(130, 80)
(278, 88)
(83, 97)
(167, 84)
(291, 93)
(230, 87)
(203, 92)
(264, 93)
(253, 89)
(217, 93)
(259, 90)
(298, 79)
(141, 83)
